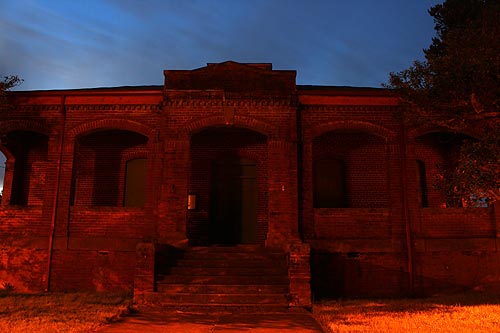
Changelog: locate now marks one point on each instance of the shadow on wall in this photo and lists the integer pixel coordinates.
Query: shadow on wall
(355, 274)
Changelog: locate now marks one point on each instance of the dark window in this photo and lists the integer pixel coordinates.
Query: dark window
(422, 184)
(135, 183)
(29, 149)
(329, 183)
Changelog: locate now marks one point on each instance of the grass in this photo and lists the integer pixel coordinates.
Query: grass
(86, 312)
(474, 312)
(59, 312)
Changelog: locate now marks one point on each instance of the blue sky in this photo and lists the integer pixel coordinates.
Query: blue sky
(56, 44)
(72, 44)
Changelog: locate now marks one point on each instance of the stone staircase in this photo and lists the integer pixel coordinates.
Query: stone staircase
(225, 276)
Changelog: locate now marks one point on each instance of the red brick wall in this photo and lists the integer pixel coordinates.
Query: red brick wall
(365, 161)
(358, 274)
(98, 270)
(457, 223)
(109, 222)
(351, 223)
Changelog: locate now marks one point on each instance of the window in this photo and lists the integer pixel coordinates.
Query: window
(422, 184)
(329, 183)
(135, 183)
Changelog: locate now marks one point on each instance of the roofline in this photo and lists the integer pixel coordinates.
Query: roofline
(153, 89)
(343, 90)
(156, 89)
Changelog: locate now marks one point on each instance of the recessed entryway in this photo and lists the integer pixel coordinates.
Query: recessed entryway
(233, 206)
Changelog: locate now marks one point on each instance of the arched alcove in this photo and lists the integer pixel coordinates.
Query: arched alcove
(349, 170)
(437, 155)
(29, 152)
(101, 171)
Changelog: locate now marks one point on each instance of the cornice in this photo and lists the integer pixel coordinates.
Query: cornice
(37, 107)
(264, 102)
(114, 107)
(340, 108)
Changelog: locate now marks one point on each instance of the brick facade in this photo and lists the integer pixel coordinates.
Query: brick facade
(375, 226)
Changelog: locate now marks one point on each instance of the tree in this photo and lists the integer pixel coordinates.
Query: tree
(8, 83)
(457, 87)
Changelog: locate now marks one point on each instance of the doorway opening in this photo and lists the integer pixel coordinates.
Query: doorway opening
(233, 202)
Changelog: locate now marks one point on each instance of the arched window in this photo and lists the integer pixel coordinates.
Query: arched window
(29, 150)
(329, 183)
(135, 183)
(101, 173)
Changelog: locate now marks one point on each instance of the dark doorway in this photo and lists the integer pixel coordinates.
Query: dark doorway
(233, 204)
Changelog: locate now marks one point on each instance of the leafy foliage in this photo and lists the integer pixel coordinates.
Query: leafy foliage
(8, 83)
(457, 88)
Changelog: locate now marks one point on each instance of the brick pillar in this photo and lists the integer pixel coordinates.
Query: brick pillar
(282, 173)
(308, 228)
(299, 272)
(173, 197)
(144, 269)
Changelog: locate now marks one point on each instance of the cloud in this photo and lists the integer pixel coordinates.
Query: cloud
(71, 44)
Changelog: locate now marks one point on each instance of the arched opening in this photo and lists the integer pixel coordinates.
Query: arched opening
(29, 150)
(349, 170)
(104, 173)
(229, 176)
(437, 155)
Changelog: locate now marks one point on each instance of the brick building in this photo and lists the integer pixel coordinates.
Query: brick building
(104, 187)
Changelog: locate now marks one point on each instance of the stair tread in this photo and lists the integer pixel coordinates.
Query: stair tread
(239, 276)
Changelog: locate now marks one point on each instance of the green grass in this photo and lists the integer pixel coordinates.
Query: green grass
(60, 312)
(474, 312)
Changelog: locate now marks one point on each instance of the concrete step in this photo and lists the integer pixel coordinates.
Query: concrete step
(228, 271)
(222, 288)
(222, 299)
(227, 276)
(207, 255)
(212, 262)
(157, 300)
(223, 279)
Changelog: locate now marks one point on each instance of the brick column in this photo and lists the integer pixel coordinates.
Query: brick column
(299, 272)
(144, 269)
(173, 197)
(282, 174)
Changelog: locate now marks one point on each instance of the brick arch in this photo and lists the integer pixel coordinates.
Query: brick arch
(362, 126)
(239, 121)
(133, 155)
(24, 125)
(418, 132)
(110, 124)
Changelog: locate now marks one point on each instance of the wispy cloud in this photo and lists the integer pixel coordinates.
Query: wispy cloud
(70, 44)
